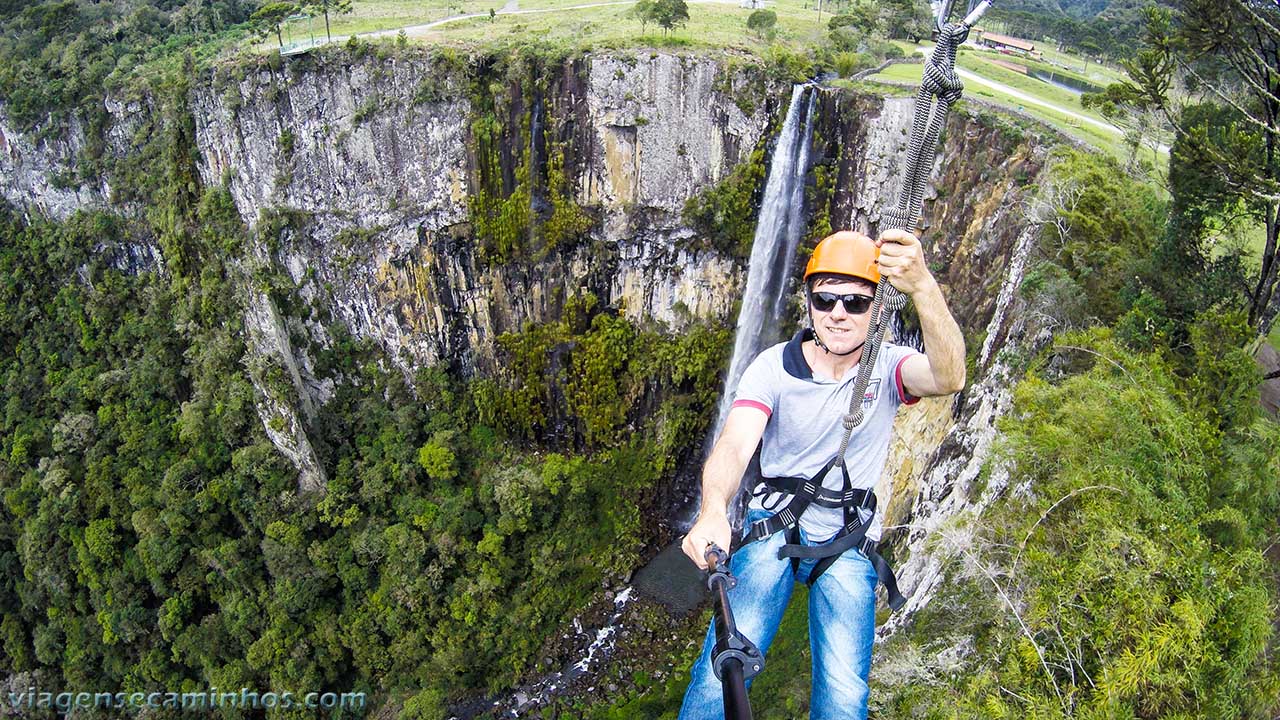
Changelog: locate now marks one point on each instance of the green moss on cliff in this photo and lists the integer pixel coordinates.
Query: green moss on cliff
(586, 384)
(522, 204)
(725, 214)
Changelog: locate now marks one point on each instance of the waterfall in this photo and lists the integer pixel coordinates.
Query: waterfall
(782, 221)
(778, 231)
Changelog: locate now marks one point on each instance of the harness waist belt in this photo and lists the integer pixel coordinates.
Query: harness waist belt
(821, 496)
(841, 543)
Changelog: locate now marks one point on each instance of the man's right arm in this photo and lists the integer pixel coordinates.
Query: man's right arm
(721, 477)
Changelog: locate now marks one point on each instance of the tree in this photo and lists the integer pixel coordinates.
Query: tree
(643, 11)
(1132, 112)
(1226, 52)
(270, 16)
(762, 22)
(324, 7)
(862, 17)
(1089, 48)
(670, 13)
(910, 19)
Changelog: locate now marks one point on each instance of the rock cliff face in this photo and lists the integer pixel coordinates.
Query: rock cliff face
(379, 159)
(42, 172)
(359, 179)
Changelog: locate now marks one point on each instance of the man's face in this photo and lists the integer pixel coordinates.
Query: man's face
(840, 330)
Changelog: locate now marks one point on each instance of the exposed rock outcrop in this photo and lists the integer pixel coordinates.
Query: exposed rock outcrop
(379, 157)
(42, 171)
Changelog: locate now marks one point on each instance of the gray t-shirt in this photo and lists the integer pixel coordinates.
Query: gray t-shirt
(806, 423)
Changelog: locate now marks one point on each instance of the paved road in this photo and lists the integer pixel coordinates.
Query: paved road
(971, 76)
(1033, 100)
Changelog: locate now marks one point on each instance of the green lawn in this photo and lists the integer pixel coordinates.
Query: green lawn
(712, 23)
(1110, 142)
(1091, 134)
(1094, 72)
(373, 15)
(982, 64)
(901, 72)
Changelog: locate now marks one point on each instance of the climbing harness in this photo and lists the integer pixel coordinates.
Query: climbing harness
(858, 507)
(940, 88)
(735, 659)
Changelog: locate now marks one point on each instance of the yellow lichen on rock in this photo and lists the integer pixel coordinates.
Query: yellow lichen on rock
(917, 433)
(621, 157)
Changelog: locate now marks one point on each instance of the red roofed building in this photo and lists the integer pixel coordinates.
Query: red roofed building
(1005, 43)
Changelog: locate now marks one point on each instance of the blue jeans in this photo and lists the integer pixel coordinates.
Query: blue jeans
(842, 620)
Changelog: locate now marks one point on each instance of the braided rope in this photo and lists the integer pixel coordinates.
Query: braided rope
(940, 88)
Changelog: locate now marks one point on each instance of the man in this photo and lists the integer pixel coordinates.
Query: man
(795, 395)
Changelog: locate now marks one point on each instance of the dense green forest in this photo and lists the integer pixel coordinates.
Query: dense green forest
(154, 538)
(61, 57)
(141, 493)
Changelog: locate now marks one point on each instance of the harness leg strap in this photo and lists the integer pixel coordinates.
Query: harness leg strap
(887, 578)
(821, 567)
(884, 573)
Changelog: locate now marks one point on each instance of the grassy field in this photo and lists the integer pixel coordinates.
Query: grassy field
(377, 15)
(1094, 72)
(718, 25)
(712, 23)
(1095, 136)
(1048, 67)
(986, 65)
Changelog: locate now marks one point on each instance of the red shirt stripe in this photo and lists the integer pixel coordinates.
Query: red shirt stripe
(907, 398)
(753, 404)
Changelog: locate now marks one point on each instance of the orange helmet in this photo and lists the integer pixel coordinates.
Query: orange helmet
(847, 252)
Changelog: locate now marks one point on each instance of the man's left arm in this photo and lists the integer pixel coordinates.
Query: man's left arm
(941, 370)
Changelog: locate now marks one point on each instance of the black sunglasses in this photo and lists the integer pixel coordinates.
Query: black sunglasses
(854, 304)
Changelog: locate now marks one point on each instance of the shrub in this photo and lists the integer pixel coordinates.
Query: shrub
(786, 65)
(725, 214)
(1130, 564)
(762, 23)
(1101, 224)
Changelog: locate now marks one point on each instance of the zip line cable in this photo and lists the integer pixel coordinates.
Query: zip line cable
(940, 88)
